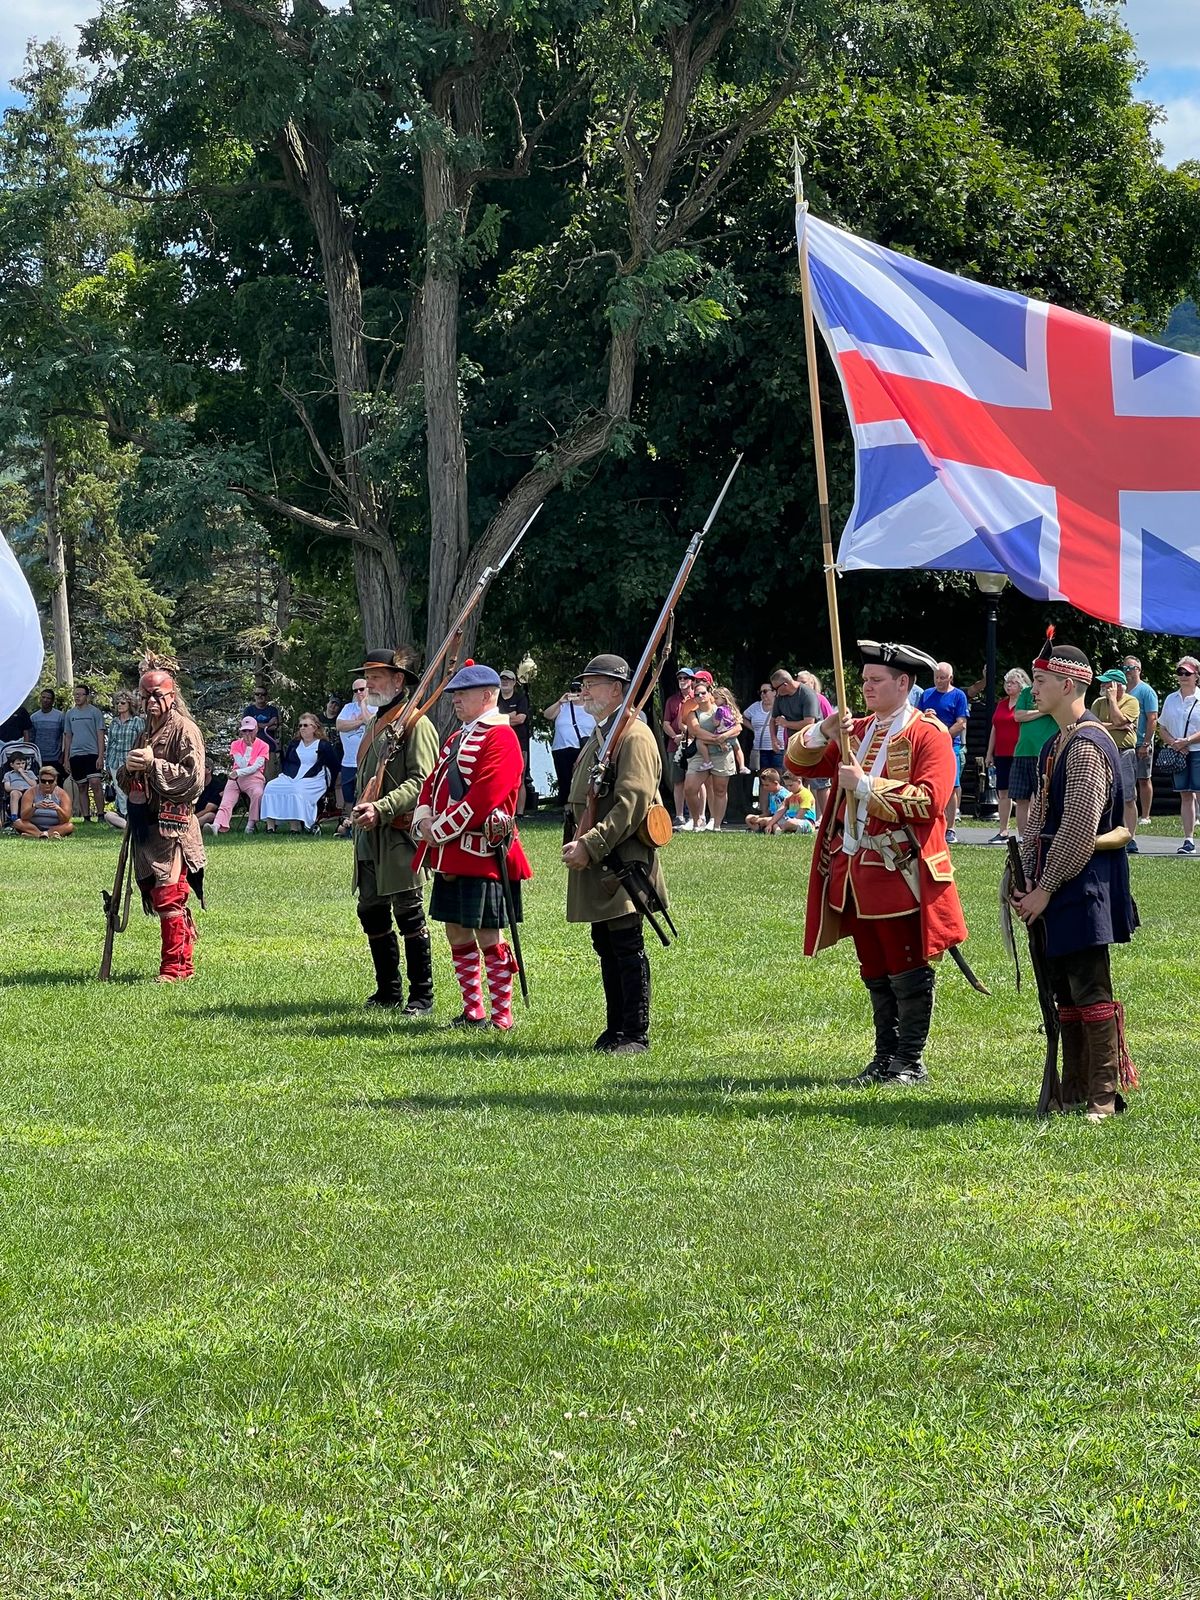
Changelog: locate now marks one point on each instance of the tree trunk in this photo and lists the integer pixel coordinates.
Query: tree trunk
(446, 455)
(382, 586)
(60, 608)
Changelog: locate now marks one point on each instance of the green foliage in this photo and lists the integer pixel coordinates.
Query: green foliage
(366, 1311)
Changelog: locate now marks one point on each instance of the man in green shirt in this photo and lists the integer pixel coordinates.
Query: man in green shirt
(1033, 729)
(1119, 711)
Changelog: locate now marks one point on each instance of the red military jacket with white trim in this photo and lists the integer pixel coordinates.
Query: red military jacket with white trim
(492, 764)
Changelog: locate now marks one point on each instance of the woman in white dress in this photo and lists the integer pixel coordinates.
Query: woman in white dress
(308, 764)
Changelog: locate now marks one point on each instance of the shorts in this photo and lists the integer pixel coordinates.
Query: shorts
(766, 760)
(1189, 777)
(349, 779)
(816, 784)
(1003, 765)
(1022, 777)
(84, 767)
(472, 902)
(958, 766)
(1127, 760)
(1145, 764)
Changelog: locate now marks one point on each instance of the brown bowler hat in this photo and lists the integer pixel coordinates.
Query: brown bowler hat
(392, 660)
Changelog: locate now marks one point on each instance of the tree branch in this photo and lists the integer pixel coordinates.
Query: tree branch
(306, 423)
(287, 42)
(312, 519)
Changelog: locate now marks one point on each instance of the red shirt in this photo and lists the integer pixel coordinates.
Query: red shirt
(671, 715)
(1006, 730)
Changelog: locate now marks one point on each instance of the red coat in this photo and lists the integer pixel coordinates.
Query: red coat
(492, 763)
(919, 779)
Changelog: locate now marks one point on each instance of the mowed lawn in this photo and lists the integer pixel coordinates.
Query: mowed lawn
(300, 1302)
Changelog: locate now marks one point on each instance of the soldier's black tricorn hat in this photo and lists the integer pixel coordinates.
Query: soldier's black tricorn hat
(392, 661)
(901, 656)
(607, 667)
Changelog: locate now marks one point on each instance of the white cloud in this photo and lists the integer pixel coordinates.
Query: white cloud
(22, 20)
(1180, 133)
(1167, 32)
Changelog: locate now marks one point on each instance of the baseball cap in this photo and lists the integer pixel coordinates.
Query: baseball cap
(247, 725)
(1113, 675)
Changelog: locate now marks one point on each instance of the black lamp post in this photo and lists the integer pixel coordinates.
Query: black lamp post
(992, 585)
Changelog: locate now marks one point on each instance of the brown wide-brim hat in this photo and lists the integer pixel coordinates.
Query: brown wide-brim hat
(392, 660)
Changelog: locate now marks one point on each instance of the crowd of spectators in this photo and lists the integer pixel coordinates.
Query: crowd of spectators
(58, 767)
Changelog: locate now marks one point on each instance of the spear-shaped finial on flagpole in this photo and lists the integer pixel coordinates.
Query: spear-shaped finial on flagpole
(814, 401)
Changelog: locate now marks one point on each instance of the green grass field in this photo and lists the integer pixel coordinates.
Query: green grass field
(300, 1302)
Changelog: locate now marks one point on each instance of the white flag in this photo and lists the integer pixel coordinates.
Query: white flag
(21, 648)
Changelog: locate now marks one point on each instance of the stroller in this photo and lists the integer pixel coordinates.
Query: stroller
(33, 761)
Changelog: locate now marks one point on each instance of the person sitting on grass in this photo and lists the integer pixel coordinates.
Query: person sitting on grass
(18, 780)
(771, 798)
(798, 813)
(45, 810)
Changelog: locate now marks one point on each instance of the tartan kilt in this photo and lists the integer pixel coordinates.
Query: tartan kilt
(472, 902)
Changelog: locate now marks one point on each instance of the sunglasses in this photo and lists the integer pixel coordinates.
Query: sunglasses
(1185, 672)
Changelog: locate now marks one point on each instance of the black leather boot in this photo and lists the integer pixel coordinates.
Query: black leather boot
(633, 971)
(886, 1012)
(385, 953)
(914, 1000)
(418, 954)
(610, 977)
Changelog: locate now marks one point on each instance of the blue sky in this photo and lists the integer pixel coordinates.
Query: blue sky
(1167, 32)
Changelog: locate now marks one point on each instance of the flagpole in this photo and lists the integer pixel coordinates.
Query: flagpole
(818, 431)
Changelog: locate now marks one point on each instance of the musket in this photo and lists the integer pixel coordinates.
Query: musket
(498, 830)
(1050, 1097)
(116, 904)
(649, 669)
(439, 669)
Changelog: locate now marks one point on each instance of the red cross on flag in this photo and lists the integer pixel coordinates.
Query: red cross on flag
(997, 433)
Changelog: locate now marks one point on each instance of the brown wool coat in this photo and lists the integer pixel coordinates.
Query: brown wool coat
(177, 774)
(594, 894)
(388, 848)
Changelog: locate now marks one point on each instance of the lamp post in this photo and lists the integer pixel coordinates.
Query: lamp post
(992, 585)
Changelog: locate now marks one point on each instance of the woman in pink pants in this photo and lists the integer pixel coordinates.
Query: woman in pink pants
(249, 756)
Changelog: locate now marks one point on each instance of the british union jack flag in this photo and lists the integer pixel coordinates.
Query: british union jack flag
(997, 433)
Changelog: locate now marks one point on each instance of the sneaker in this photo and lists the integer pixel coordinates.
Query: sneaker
(687, 827)
(249, 827)
(207, 827)
(1187, 848)
(997, 838)
(1132, 848)
(709, 825)
(678, 823)
(951, 836)
(315, 831)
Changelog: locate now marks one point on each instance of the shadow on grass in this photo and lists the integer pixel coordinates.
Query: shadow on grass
(278, 1011)
(49, 978)
(872, 1108)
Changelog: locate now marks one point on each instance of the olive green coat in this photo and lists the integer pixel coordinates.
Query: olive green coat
(388, 848)
(594, 894)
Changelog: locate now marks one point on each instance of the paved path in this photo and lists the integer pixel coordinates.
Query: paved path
(1148, 844)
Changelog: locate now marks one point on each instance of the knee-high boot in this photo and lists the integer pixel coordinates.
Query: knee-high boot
(376, 920)
(914, 1001)
(169, 901)
(886, 1012)
(633, 970)
(418, 957)
(610, 977)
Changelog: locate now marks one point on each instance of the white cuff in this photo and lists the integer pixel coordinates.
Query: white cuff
(419, 815)
(864, 788)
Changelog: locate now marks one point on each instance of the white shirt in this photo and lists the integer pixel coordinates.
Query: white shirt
(759, 718)
(352, 739)
(571, 727)
(1173, 717)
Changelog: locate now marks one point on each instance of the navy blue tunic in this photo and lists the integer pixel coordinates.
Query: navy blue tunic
(1095, 907)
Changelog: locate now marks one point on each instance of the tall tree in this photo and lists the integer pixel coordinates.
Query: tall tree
(364, 152)
(60, 360)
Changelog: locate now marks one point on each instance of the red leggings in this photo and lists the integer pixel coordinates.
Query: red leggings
(884, 946)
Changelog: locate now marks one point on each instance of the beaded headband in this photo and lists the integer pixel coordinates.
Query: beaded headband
(1067, 661)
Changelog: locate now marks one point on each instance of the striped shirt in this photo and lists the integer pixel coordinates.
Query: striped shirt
(121, 736)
